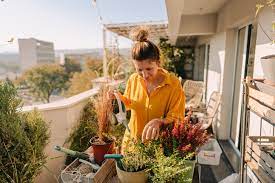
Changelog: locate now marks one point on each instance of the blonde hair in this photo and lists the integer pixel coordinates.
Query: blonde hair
(142, 48)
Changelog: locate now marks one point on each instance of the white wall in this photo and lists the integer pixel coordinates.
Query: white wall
(235, 13)
(61, 116)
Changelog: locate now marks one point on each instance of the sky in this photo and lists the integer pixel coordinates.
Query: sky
(71, 24)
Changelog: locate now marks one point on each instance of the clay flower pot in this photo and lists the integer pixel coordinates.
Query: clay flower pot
(100, 149)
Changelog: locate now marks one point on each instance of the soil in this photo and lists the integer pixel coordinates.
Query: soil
(97, 141)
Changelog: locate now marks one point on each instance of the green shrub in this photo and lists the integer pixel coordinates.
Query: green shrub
(171, 168)
(23, 138)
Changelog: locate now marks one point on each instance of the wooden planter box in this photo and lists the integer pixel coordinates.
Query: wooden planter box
(258, 158)
(106, 172)
(262, 100)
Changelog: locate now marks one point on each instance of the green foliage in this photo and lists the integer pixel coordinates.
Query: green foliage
(170, 168)
(161, 168)
(174, 58)
(23, 138)
(136, 156)
(87, 128)
(94, 65)
(43, 80)
(71, 66)
(264, 3)
(84, 131)
(80, 82)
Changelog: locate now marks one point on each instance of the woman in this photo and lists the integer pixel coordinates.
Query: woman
(154, 96)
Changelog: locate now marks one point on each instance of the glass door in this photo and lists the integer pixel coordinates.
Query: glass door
(243, 45)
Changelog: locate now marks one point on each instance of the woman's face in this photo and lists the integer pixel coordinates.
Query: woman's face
(148, 69)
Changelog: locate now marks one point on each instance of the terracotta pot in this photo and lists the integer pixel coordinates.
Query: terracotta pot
(100, 150)
(131, 177)
(268, 65)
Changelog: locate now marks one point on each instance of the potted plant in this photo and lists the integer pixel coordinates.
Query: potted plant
(171, 168)
(103, 142)
(134, 163)
(183, 138)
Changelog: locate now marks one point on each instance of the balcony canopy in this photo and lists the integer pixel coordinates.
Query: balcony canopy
(157, 29)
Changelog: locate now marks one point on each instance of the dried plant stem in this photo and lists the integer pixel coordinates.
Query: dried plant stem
(103, 108)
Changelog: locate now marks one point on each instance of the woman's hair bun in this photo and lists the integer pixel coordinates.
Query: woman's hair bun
(139, 34)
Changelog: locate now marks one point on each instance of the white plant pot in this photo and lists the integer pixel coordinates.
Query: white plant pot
(268, 65)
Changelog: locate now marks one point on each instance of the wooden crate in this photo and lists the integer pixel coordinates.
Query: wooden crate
(106, 172)
(257, 155)
(264, 93)
(262, 100)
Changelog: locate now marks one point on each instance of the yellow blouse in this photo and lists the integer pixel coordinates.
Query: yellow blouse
(166, 101)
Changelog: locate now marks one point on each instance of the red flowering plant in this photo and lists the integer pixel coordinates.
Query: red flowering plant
(183, 137)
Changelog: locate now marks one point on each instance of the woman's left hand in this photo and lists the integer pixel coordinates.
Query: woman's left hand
(151, 130)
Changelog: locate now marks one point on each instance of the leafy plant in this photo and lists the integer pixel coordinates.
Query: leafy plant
(174, 58)
(136, 156)
(171, 168)
(150, 157)
(183, 137)
(85, 129)
(23, 138)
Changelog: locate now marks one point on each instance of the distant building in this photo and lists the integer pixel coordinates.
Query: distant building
(77, 55)
(33, 52)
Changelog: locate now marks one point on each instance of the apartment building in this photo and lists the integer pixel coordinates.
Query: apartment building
(33, 52)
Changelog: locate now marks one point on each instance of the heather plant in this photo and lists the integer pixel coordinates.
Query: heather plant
(23, 137)
(184, 137)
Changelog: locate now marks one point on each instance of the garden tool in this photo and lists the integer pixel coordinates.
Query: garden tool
(121, 115)
(117, 157)
(76, 154)
(83, 157)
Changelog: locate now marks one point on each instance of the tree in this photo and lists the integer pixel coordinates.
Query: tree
(71, 66)
(80, 82)
(43, 80)
(94, 65)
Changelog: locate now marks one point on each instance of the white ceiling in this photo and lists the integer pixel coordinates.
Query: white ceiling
(202, 6)
(177, 8)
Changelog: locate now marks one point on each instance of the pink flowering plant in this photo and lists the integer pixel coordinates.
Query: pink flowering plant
(183, 137)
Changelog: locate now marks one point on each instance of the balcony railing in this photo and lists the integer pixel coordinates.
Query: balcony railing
(61, 116)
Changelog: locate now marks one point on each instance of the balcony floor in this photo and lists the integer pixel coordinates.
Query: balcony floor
(213, 174)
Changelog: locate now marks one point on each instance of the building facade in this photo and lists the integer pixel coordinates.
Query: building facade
(230, 43)
(33, 52)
